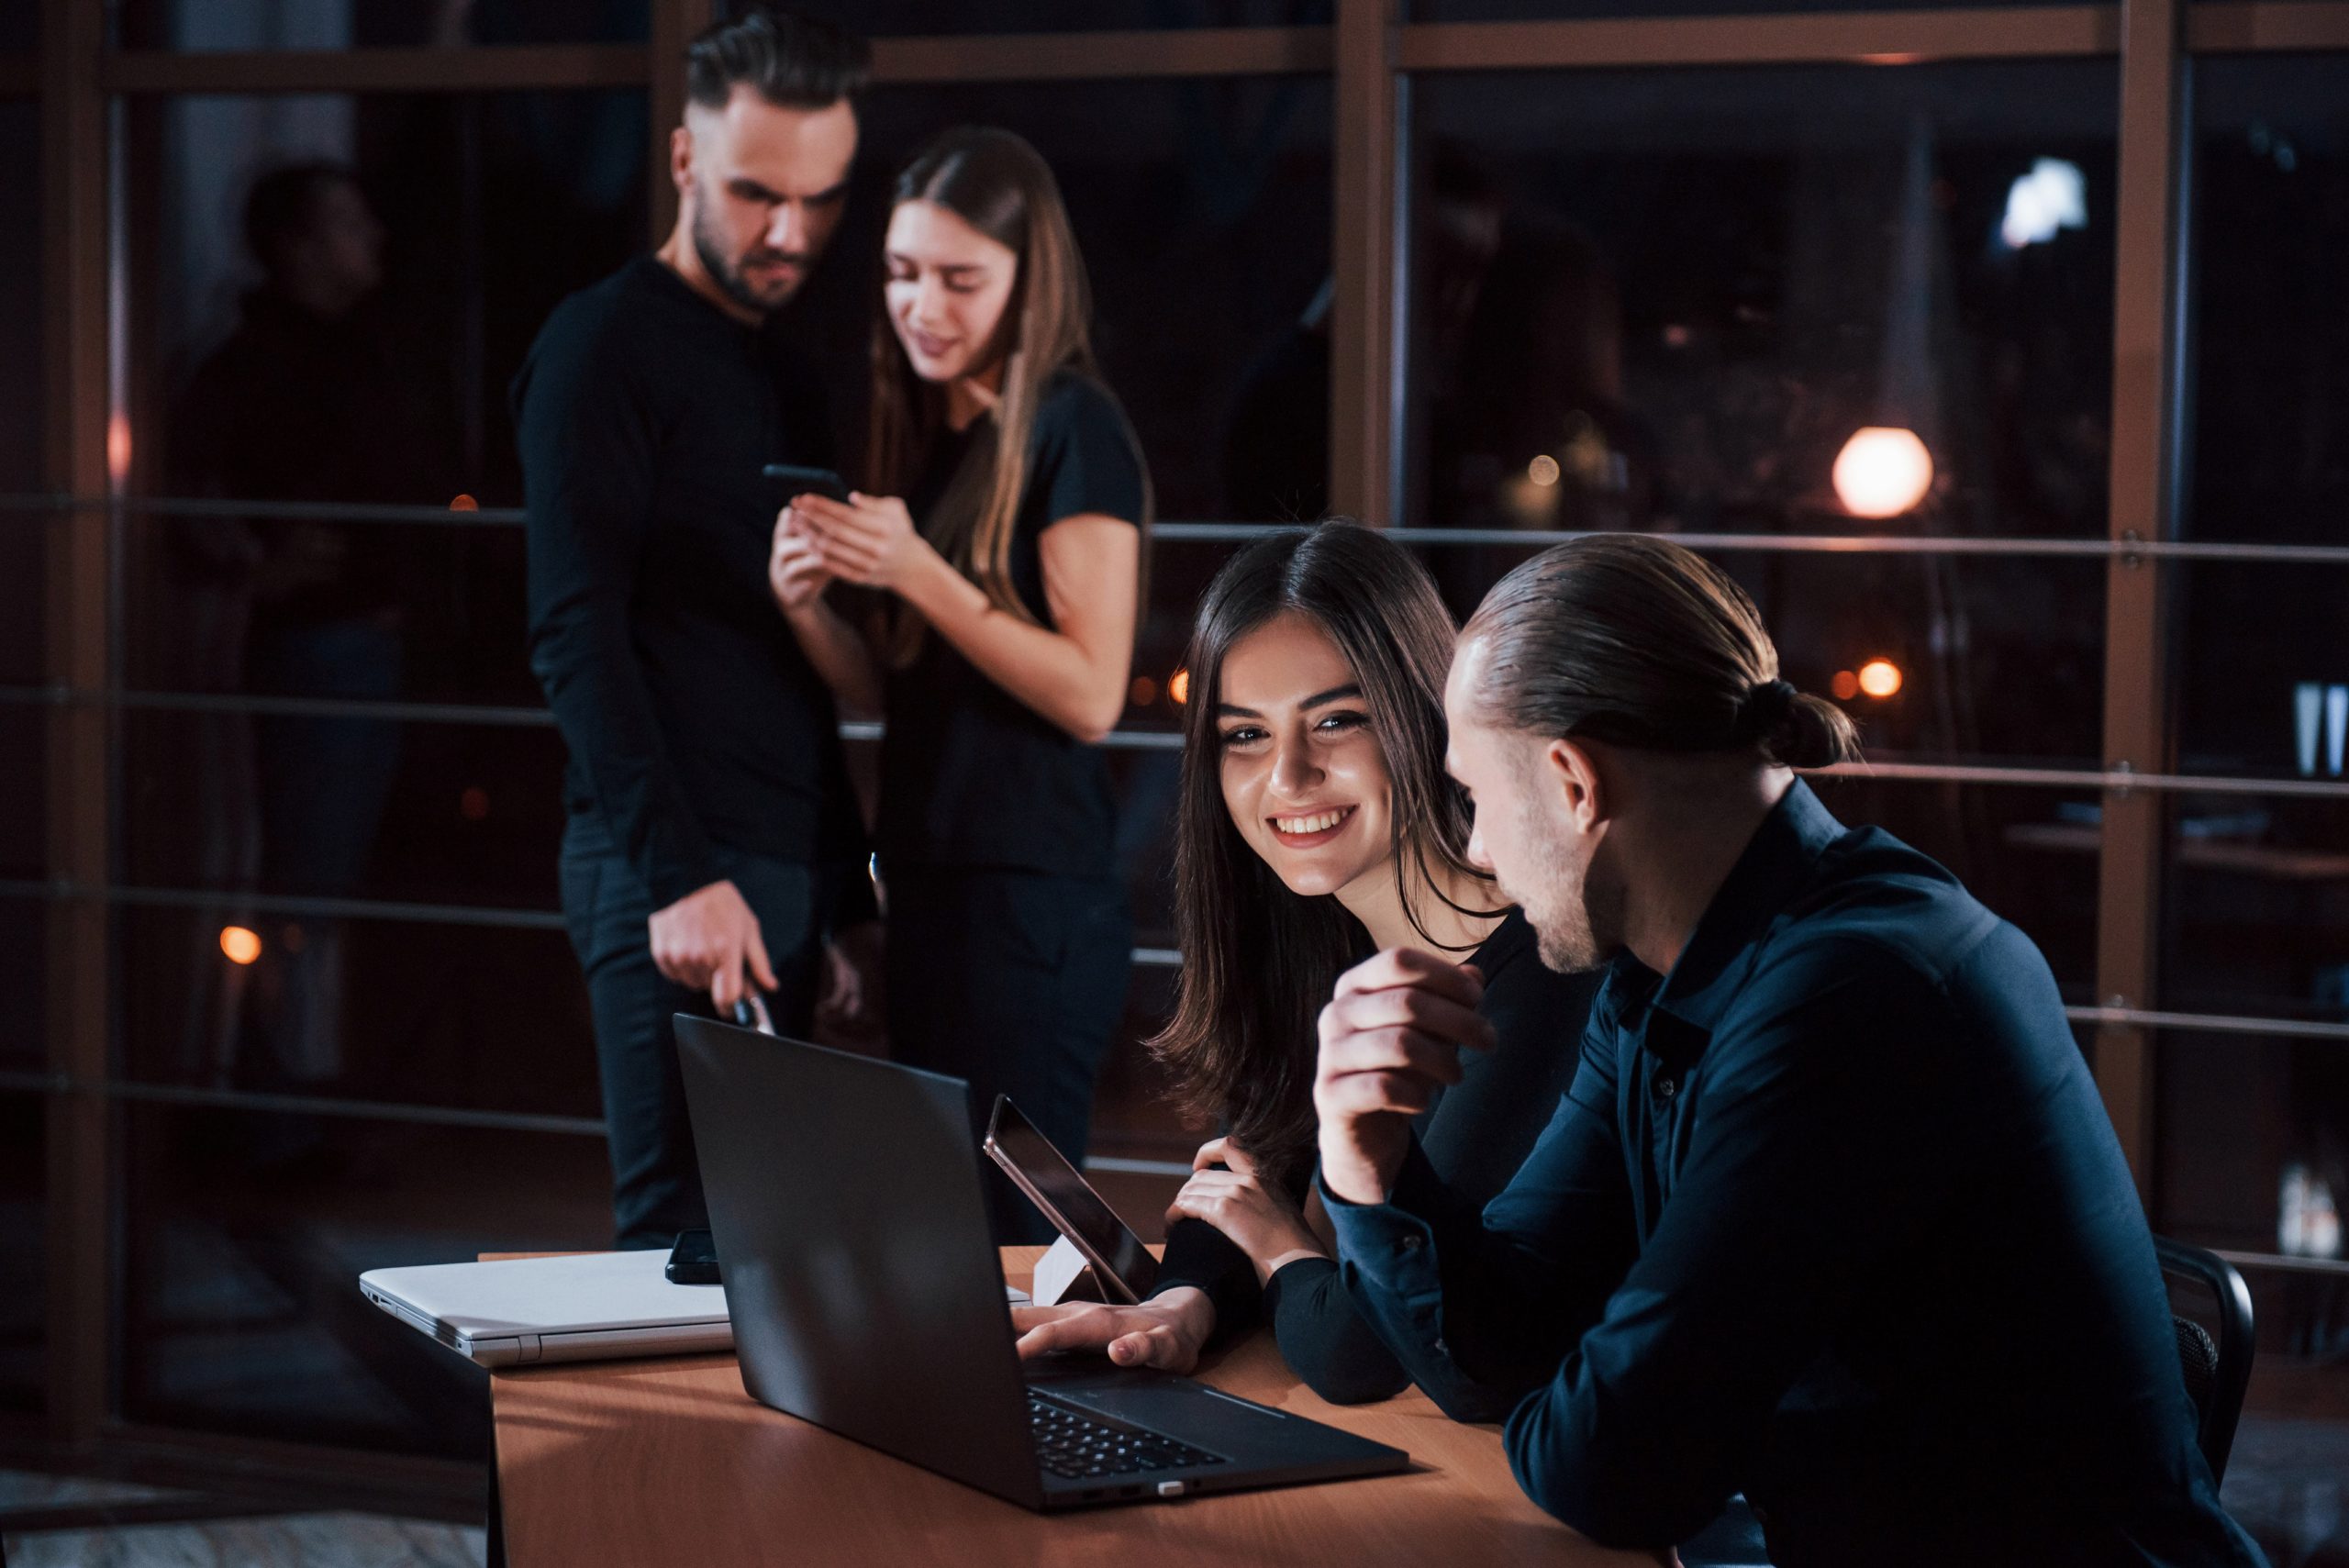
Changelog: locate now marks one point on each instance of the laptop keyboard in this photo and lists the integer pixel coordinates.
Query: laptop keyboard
(1081, 1447)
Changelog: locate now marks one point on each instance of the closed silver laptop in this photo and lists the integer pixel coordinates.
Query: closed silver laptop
(595, 1307)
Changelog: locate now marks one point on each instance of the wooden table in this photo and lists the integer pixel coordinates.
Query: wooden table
(667, 1461)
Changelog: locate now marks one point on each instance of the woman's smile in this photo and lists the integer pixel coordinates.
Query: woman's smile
(1303, 831)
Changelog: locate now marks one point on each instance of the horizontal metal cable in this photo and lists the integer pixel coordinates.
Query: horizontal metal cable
(2210, 1023)
(2081, 549)
(2284, 1262)
(260, 705)
(231, 900)
(2119, 780)
(399, 1111)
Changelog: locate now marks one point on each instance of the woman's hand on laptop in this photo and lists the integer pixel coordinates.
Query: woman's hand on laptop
(1227, 1191)
(1165, 1332)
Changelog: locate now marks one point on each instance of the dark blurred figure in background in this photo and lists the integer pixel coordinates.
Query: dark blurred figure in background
(307, 398)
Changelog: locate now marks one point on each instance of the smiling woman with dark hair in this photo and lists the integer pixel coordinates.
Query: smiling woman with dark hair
(1317, 825)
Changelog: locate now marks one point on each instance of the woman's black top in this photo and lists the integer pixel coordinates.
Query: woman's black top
(971, 777)
(1476, 1134)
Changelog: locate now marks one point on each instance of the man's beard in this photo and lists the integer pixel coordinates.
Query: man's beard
(727, 273)
(1559, 908)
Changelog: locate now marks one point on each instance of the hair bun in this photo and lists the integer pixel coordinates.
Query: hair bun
(1765, 707)
(1808, 731)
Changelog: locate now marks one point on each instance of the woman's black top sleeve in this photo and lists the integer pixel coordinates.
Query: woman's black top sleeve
(1477, 1135)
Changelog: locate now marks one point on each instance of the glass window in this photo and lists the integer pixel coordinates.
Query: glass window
(1939, 658)
(247, 1230)
(2261, 649)
(343, 808)
(464, 219)
(1575, 10)
(2271, 345)
(479, 1018)
(2255, 906)
(889, 18)
(22, 1294)
(1808, 300)
(202, 26)
(2239, 1115)
(25, 920)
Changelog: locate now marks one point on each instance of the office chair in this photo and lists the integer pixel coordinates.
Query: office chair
(2217, 1373)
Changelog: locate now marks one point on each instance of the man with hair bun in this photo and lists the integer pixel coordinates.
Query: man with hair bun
(1831, 1214)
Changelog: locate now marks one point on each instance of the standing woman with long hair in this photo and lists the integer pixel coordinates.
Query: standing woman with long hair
(1004, 544)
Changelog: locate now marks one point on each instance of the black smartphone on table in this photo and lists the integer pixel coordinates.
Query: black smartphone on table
(694, 1259)
(797, 481)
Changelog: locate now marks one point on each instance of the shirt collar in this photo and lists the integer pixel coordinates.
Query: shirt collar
(1684, 1006)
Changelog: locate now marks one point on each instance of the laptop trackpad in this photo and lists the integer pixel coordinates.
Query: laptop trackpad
(1175, 1405)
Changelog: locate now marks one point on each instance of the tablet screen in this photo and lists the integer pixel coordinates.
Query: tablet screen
(1067, 1198)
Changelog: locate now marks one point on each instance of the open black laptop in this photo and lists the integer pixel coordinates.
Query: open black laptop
(867, 1297)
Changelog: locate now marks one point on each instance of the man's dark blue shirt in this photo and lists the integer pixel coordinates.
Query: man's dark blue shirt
(1833, 1216)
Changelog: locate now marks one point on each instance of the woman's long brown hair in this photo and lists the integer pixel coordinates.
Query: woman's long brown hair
(1258, 962)
(1001, 186)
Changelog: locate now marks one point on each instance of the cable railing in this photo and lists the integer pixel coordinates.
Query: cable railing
(2076, 548)
(2120, 779)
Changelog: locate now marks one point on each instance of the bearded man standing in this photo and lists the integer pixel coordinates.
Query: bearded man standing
(714, 847)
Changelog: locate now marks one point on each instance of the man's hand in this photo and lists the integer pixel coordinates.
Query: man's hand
(1165, 1332)
(852, 976)
(1259, 1221)
(1390, 1038)
(709, 937)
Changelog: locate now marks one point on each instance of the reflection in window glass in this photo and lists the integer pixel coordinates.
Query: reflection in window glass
(480, 1017)
(2262, 648)
(331, 806)
(2254, 1152)
(1678, 299)
(889, 18)
(244, 1230)
(1939, 658)
(23, 1165)
(1564, 10)
(202, 26)
(2255, 906)
(414, 244)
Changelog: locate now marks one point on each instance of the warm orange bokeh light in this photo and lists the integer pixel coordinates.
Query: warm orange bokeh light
(1845, 685)
(1542, 469)
(464, 504)
(118, 446)
(1881, 677)
(240, 945)
(1882, 472)
(1144, 691)
(1178, 687)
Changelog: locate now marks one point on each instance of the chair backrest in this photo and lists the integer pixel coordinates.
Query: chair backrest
(2217, 1372)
